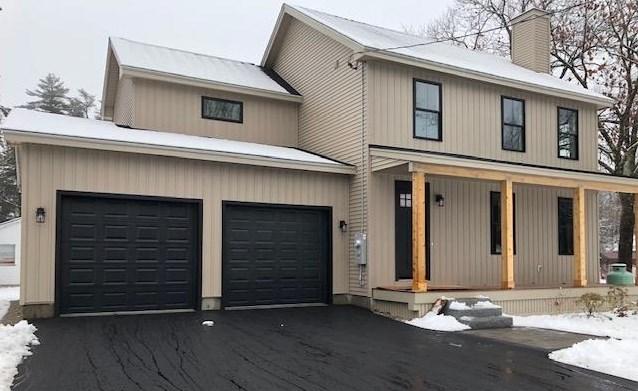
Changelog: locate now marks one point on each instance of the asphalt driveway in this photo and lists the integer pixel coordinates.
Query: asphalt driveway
(320, 348)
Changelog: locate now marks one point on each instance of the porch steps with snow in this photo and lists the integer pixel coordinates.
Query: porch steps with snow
(477, 313)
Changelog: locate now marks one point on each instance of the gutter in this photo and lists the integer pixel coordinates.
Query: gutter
(20, 137)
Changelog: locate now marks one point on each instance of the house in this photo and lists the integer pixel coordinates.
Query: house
(10, 252)
(355, 164)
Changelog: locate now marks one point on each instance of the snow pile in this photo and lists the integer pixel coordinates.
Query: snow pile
(483, 304)
(603, 355)
(602, 325)
(208, 323)
(14, 346)
(8, 294)
(432, 321)
(611, 356)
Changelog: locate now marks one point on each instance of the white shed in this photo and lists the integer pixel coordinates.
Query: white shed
(10, 252)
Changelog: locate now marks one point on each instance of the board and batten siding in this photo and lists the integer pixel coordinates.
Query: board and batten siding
(330, 118)
(45, 169)
(173, 107)
(125, 102)
(460, 235)
(472, 118)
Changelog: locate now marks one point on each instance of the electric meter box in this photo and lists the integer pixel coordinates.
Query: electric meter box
(360, 248)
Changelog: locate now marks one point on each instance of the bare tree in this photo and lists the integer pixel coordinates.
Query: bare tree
(594, 43)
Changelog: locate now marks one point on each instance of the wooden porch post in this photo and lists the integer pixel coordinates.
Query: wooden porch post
(507, 235)
(580, 252)
(418, 233)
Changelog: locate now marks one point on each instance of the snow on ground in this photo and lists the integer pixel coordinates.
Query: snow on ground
(15, 340)
(609, 356)
(7, 294)
(438, 322)
(603, 355)
(602, 325)
(481, 304)
(14, 346)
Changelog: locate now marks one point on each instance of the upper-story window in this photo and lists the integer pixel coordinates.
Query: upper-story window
(567, 133)
(513, 124)
(222, 109)
(427, 110)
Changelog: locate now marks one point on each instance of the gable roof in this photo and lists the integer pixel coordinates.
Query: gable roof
(142, 58)
(369, 41)
(28, 126)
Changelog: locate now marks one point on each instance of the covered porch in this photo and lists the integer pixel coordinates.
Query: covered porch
(501, 179)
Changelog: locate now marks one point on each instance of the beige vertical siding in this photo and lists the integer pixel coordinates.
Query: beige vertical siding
(125, 103)
(44, 170)
(460, 235)
(531, 43)
(330, 118)
(177, 108)
(472, 118)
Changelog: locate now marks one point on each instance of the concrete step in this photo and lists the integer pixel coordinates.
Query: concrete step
(490, 322)
(475, 312)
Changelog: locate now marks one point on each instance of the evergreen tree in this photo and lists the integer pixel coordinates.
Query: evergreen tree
(81, 105)
(9, 193)
(50, 94)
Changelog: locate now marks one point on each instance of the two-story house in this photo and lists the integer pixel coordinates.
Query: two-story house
(355, 164)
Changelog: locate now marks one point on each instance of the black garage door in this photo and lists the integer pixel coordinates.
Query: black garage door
(119, 254)
(275, 255)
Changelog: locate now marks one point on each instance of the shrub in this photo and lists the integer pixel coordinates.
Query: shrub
(591, 302)
(617, 298)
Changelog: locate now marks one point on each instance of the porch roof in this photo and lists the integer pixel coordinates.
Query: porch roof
(437, 163)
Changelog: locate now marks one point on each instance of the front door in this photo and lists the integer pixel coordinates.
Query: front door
(403, 229)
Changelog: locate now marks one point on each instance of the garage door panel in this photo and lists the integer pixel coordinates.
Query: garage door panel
(274, 255)
(126, 262)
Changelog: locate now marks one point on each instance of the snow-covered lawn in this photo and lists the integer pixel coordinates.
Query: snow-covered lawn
(603, 355)
(15, 341)
(8, 294)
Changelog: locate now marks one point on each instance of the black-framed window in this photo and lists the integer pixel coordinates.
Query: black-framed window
(565, 226)
(495, 222)
(428, 110)
(567, 133)
(222, 109)
(512, 124)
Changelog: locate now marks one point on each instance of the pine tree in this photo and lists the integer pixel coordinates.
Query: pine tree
(51, 95)
(81, 105)
(9, 193)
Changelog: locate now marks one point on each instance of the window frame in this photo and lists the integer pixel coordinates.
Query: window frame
(415, 108)
(209, 98)
(493, 237)
(13, 263)
(568, 252)
(503, 124)
(558, 133)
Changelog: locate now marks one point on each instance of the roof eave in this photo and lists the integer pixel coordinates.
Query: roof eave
(15, 137)
(317, 25)
(600, 102)
(191, 81)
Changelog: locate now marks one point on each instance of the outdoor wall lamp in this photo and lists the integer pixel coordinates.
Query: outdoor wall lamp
(40, 215)
(440, 200)
(343, 226)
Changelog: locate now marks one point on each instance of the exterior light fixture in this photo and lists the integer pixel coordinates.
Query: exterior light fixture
(40, 215)
(440, 200)
(343, 226)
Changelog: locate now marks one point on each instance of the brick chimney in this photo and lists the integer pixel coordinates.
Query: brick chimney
(531, 40)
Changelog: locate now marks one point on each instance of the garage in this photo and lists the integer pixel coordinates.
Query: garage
(275, 255)
(117, 254)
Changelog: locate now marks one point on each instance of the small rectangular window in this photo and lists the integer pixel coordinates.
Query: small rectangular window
(222, 109)
(7, 254)
(495, 222)
(565, 226)
(427, 110)
(513, 124)
(567, 133)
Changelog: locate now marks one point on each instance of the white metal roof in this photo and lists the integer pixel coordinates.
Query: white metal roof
(43, 125)
(143, 56)
(379, 40)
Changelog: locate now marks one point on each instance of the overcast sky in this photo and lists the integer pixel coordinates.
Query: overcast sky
(69, 37)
